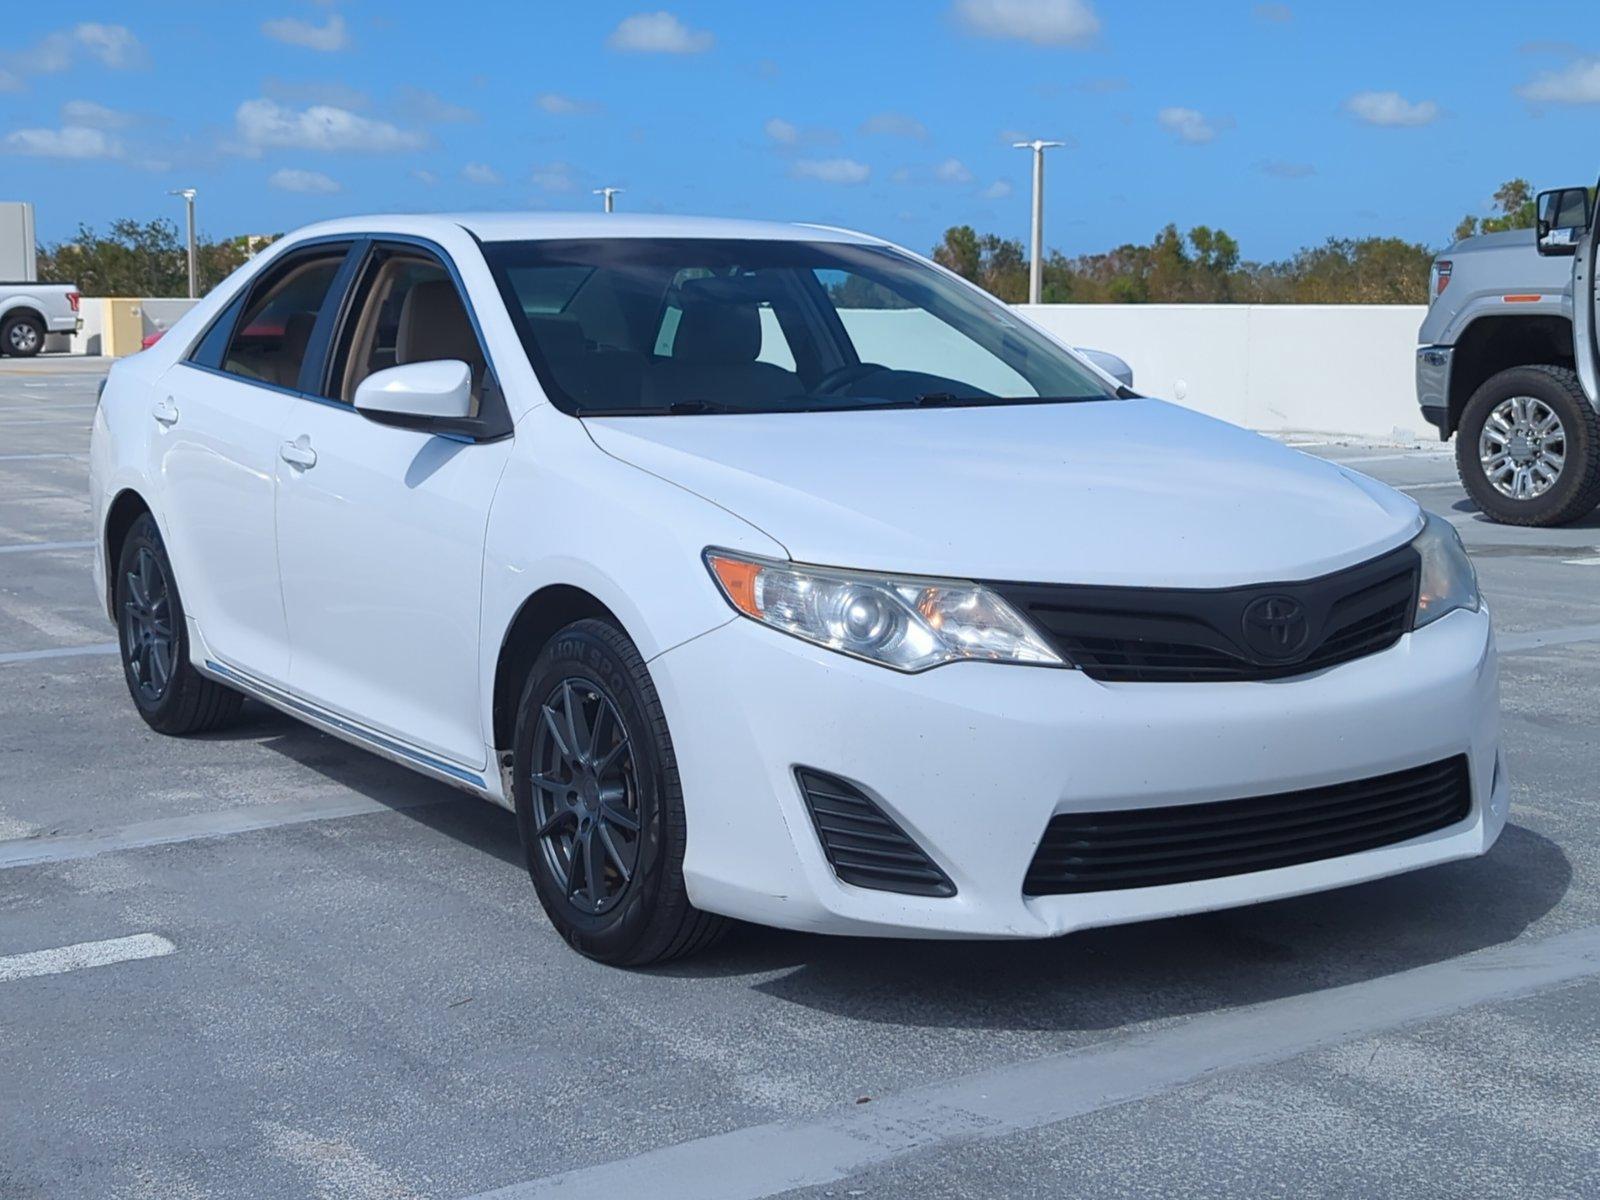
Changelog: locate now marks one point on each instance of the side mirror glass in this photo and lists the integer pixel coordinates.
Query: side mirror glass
(1563, 216)
(1113, 366)
(417, 395)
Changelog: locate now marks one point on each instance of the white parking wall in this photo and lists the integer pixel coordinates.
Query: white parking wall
(1327, 368)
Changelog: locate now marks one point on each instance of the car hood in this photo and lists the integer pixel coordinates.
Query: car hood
(1138, 492)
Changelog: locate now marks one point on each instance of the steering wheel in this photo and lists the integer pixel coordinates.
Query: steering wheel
(836, 381)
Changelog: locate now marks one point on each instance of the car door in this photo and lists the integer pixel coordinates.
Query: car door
(218, 417)
(381, 529)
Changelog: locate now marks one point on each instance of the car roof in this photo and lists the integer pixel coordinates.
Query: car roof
(535, 226)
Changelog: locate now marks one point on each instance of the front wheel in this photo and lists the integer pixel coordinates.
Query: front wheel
(599, 803)
(1528, 447)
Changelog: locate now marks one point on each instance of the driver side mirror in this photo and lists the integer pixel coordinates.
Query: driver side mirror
(1563, 216)
(421, 395)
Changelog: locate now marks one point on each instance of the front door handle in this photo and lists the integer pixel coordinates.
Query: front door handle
(298, 453)
(165, 412)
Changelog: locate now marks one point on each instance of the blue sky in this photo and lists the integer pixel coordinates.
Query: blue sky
(1284, 123)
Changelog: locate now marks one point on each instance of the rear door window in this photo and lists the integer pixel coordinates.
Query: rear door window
(272, 334)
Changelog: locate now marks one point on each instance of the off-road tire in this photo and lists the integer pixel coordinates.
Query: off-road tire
(1576, 490)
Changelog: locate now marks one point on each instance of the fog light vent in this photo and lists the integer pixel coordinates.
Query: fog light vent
(863, 845)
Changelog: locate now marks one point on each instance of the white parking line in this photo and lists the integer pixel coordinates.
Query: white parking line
(28, 852)
(764, 1160)
(82, 955)
(26, 546)
(1537, 639)
(1411, 456)
(36, 457)
(22, 656)
(1416, 487)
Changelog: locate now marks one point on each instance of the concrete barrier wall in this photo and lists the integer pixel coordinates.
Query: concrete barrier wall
(1336, 369)
(110, 323)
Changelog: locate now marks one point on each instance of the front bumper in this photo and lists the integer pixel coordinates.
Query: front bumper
(1433, 387)
(973, 759)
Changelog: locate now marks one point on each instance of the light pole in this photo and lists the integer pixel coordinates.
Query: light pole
(188, 201)
(1036, 267)
(610, 194)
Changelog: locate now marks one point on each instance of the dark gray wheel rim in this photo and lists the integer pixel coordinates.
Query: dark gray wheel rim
(149, 634)
(586, 813)
(24, 337)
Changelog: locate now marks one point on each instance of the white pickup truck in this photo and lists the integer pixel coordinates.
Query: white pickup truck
(31, 310)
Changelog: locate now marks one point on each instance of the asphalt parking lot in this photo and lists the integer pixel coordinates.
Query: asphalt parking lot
(336, 980)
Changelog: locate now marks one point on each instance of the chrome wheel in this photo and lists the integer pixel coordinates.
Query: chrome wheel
(149, 634)
(585, 796)
(23, 337)
(1523, 447)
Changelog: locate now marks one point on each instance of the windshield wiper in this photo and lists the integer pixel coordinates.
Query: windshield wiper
(951, 400)
(675, 409)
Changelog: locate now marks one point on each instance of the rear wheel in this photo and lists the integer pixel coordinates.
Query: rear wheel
(169, 693)
(1528, 447)
(599, 803)
(21, 335)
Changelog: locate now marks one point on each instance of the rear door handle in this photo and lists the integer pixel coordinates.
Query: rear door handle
(165, 412)
(298, 453)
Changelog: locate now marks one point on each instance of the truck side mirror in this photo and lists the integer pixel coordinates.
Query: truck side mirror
(1563, 216)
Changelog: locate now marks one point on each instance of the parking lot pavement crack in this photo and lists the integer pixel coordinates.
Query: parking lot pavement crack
(765, 1160)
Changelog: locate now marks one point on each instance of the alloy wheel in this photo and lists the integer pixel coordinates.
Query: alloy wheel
(24, 338)
(149, 633)
(586, 813)
(1523, 447)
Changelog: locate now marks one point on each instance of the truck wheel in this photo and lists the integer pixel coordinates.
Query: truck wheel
(1528, 447)
(22, 336)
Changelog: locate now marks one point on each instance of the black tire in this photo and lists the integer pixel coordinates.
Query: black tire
(21, 335)
(1576, 490)
(185, 701)
(649, 918)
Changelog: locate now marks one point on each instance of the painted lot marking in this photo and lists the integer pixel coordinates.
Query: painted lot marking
(36, 457)
(24, 547)
(1537, 639)
(763, 1160)
(22, 656)
(27, 852)
(83, 955)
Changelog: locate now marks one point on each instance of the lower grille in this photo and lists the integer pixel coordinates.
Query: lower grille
(1148, 847)
(863, 845)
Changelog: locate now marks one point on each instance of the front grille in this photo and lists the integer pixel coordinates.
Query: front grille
(1193, 635)
(863, 845)
(1148, 847)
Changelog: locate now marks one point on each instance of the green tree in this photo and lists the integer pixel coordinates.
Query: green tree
(1514, 209)
(135, 258)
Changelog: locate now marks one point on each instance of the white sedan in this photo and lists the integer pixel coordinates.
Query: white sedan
(773, 572)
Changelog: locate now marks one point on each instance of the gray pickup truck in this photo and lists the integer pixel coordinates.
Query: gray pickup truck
(1507, 364)
(30, 310)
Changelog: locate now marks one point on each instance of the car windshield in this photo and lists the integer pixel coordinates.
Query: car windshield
(632, 326)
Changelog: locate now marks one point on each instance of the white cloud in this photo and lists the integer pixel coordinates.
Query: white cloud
(659, 33)
(555, 177)
(1189, 125)
(1390, 109)
(266, 124)
(895, 124)
(94, 116)
(1288, 170)
(783, 132)
(1576, 83)
(294, 32)
(481, 173)
(111, 45)
(998, 190)
(952, 170)
(831, 170)
(430, 108)
(558, 105)
(426, 178)
(1042, 22)
(70, 141)
(313, 183)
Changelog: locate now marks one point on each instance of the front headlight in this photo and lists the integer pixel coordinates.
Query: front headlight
(905, 623)
(1448, 581)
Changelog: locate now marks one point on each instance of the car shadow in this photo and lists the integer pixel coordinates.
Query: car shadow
(1590, 521)
(1095, 980)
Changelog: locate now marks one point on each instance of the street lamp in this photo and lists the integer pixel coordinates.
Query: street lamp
(609, 193)
(188, 200)
(1036, 267)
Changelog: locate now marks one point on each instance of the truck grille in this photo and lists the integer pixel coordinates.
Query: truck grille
(1148, 847)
